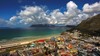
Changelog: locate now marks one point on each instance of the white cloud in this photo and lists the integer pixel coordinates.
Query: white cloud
(92, 8)
(77, 19)
(71, 13)
(13, 19)
(30, 15)
(4, 23)
(39, 15)
(31, 10)
(57, 17)
(71, 5)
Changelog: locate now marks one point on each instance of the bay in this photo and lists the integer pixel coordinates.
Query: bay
(17, 33)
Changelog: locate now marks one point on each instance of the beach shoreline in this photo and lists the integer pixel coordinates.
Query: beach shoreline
(24, 41)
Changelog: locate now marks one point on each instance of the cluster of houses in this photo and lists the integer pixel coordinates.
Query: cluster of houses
(63, 45)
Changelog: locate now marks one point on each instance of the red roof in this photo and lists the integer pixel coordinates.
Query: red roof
(70, 46)
(65, 55)
(41, 40)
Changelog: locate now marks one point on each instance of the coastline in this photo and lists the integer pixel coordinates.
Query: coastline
(23, 41)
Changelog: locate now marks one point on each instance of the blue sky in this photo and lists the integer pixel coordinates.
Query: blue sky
(11, 7)
(16, 13)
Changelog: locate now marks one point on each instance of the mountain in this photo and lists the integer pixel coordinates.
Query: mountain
(42, 25)
(71, 26)
(90, 26)
(48, 25)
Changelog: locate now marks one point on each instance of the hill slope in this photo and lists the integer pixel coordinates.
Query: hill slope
(90, 26)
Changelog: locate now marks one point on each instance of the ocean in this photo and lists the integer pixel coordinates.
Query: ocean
(21, 33)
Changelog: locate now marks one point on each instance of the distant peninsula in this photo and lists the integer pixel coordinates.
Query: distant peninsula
(42, 25)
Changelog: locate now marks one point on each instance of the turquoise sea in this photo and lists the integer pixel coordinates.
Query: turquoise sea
(17, 33)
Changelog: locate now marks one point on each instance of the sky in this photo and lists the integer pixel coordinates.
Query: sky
(23, 13)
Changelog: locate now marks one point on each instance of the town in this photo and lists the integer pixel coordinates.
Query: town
(67, 44)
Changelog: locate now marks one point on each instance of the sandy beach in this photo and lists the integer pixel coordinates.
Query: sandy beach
(27, 40)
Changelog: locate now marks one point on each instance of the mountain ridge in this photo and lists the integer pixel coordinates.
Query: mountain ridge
(89, 26)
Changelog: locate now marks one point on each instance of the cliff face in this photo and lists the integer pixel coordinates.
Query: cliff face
(90, 26)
